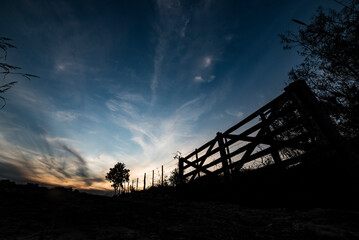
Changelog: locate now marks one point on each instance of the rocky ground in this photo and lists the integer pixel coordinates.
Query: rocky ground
(30, 212)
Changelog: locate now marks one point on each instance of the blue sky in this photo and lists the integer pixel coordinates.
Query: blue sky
(135, 81)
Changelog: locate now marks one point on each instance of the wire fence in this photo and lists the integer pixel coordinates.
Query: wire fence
(157, 177)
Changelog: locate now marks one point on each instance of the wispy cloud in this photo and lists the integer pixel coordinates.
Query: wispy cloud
(113, 105)
(30, 98)
(204, 70)
(200, 79)
(157, 65)
(158, 137)
(122, 106)
(82, 170)
(189, 103)
(207, 61)
(131, 97)
(46, 163)
(12, 171)
(26, 144)
(171, 26)
(65, 116)
(184, 28)
(237, 114)
(68, 65)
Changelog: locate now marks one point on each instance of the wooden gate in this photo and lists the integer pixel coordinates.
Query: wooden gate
(281, 133)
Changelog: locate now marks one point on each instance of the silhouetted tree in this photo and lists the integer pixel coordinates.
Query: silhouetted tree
(174, 178)
(330, 47)
(118, 175)
(7, 69)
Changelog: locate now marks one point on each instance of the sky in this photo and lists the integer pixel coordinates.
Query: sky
(135, 81)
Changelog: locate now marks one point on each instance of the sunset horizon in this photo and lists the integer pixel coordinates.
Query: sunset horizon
(134, 82)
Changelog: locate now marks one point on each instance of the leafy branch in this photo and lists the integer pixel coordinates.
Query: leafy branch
(8, 69)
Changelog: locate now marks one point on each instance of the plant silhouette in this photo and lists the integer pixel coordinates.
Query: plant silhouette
(118, 175)
(7, 69)
(330, 47)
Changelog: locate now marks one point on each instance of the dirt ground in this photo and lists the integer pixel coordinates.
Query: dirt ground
(62, 214)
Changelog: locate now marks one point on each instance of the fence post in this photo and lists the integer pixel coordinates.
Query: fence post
(197, 163)
(144, 182)
(180, 170)
(224, 156)
(153, 178)
(318, 117)
(275, 152)
(229, 158)
(162, 175)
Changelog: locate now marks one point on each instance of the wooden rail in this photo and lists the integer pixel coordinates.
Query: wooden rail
(292, 125)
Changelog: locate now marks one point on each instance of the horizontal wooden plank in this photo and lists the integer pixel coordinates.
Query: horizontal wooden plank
(196, 167)
(206, 145)
(203, 159)
(253, 140)
(269, 105)
(227, 134)
(279, 146)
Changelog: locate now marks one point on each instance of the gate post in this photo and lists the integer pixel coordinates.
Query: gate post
(275, 152)
(224, 156)
(144, 182)
(305, 99)
(180, 170)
